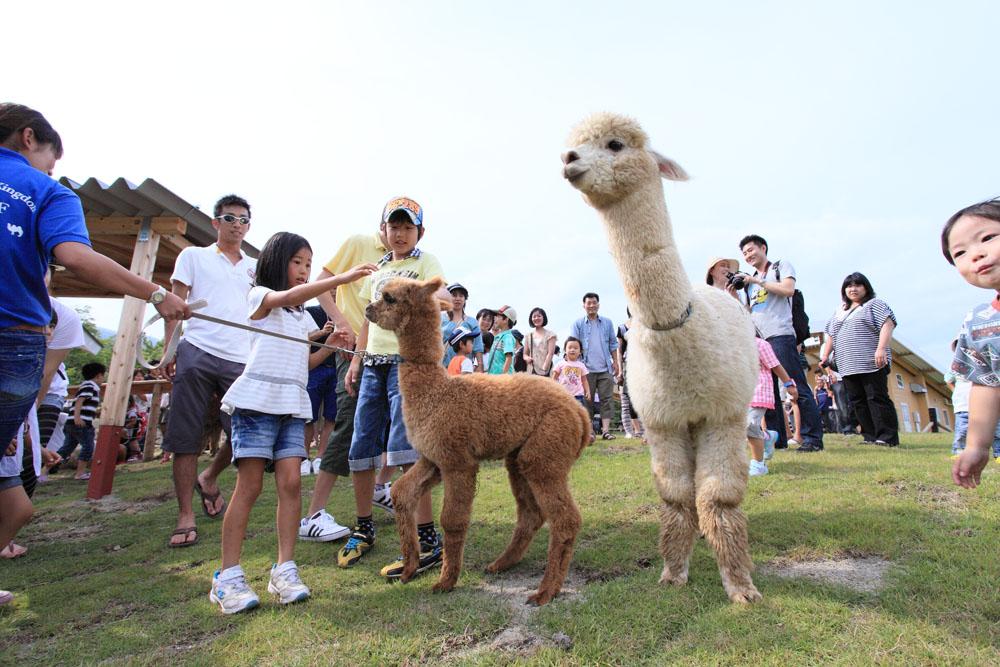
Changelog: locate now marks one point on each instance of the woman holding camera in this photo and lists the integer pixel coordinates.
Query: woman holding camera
(720, 271)
(860, 336)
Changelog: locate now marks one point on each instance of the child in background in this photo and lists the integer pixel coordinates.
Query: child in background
(970, 242)
(462, 341)
(960, 388)
(762, 401)
(79, 429)
(504, 343)
(269, 407)
(571, 373)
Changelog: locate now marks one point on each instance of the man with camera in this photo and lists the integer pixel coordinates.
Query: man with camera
(767, 293)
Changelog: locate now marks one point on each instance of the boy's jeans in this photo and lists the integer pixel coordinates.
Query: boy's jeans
(962, 429)
(22, 358)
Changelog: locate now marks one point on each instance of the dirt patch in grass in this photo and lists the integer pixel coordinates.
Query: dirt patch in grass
(71, 533)
(114, 504)
(928, 495)
(612, 450)
(865, 574)
(517, 640)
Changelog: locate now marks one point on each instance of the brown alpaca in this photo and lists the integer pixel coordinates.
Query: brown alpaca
(457, 421)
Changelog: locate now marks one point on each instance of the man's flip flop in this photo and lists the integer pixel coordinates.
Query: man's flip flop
(185, 532)
(211, 498)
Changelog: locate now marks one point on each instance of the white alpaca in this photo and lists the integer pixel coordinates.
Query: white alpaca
(692, 364)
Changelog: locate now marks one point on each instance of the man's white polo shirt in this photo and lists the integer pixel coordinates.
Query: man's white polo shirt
(224, 285)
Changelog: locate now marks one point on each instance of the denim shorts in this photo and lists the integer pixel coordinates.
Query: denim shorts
(10, 482)
(22, 358)
(322, 388)
(754, 417)
(380, 404)
(258, 435)
(78, 435)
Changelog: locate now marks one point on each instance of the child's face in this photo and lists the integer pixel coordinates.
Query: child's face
(300, 267)
(465, 347)
(402, 237)
(572, 350)
(502, 322)
(974, 243)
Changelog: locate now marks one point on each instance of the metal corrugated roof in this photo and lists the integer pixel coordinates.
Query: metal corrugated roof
(123, 198)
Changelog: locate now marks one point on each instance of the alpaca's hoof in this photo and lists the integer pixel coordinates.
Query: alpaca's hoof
(540, 598)
(745, 595)
(443, 587)
(678, 579)
(408, 573)
(498, 566)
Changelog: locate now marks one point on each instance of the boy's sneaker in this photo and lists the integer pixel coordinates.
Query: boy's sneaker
(383, 500)
(321, 527)
(430, 556)
(357, 545)
(772, 437)
(232, 596)
(306, 468)
(757, 468)
(286, 584)
(315, 465)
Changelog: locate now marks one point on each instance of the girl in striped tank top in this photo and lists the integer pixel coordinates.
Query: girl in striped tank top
(269, 407)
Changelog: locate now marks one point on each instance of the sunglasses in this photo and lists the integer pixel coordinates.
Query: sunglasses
(229, 217)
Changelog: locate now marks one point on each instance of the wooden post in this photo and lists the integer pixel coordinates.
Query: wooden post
(153, 423)
(115, 400)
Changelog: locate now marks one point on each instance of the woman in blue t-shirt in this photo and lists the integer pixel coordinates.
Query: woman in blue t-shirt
(455, 318)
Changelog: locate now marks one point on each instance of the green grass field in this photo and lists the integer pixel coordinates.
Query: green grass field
(99, 586)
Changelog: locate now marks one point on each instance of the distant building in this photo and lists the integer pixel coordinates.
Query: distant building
(916, 387)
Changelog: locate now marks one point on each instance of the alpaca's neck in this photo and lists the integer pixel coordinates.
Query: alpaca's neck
(642, 243)
(422, 351)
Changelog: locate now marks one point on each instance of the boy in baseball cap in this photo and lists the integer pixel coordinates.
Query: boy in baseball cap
(504, 343)
(461, 342)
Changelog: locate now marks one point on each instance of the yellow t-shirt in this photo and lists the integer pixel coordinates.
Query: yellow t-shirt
(356, 250)
(424, 267)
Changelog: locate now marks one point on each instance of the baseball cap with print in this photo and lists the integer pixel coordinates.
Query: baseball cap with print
(461, 333)
(509, 313)
(411, 207)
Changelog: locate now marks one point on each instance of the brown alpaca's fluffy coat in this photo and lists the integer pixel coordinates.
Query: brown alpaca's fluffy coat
(692, 363)
(457, 421)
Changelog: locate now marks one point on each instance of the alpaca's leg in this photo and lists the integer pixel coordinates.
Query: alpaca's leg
(672, 460)
(529, 519)
(459, 490)
(720, 482)
(556, 502)
(406, 493)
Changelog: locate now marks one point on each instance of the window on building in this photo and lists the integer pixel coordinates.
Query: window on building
(907, 424)
(944, 418)
(899, 381)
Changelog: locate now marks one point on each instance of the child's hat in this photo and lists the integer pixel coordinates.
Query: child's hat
(509, 313)
(461, 333)
(411, 207)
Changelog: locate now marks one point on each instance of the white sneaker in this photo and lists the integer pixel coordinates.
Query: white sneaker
(384, 500)
(321, 527)
(286, 584)
(757, 468)
(232, 596)
(772, 437)
(792, 442)
(306, 468)
(315, 465)
(629, 436)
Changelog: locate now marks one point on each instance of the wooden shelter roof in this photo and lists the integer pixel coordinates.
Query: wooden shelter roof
(116, 215)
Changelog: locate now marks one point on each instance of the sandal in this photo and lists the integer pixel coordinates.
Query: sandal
(82, 478)
(607, 435)
(211, 498)
(186, 543)
(13, 551)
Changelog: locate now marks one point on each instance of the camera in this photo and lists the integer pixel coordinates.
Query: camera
(736, 280)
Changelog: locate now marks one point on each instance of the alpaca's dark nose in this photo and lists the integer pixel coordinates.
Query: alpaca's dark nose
(570, 156)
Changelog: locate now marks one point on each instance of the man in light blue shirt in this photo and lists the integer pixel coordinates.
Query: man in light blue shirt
(601, 356)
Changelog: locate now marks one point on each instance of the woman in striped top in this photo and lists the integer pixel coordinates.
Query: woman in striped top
(859, 334)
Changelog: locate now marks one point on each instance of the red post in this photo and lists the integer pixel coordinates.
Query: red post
(102, 467)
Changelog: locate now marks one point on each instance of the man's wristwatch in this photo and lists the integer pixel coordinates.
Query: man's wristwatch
(158, 295)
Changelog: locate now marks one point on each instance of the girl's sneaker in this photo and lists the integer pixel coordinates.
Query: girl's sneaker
(233, 595)
(305, 468)
(285, 583)
(315, 466)
(757, 468)
(772, 437)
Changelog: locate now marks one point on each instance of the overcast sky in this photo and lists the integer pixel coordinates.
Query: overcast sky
(845, 133)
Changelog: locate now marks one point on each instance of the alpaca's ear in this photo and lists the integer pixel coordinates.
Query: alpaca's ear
(434, 284)
(669, 169)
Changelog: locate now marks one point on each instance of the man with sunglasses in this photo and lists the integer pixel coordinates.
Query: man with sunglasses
(209, 358)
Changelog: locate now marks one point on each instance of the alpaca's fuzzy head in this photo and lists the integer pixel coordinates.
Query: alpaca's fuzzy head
(404, 302)
(609, 158)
